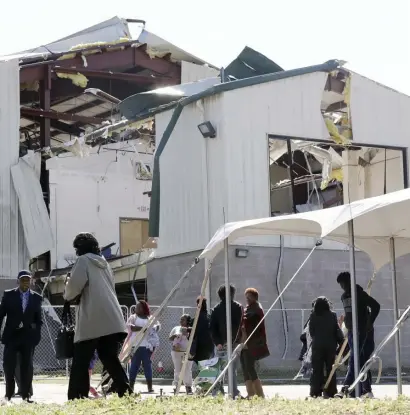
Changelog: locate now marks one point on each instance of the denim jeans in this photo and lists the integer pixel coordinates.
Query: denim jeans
(366, 348)
(142, 355)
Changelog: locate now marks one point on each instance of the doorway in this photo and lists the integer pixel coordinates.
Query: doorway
(133, 235)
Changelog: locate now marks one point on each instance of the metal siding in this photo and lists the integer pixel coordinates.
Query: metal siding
(94, 183)
(379, 114)
(200, 179)
(35, 219)
(285, 107)
(191, 72)
(182, 210)
(11, 258)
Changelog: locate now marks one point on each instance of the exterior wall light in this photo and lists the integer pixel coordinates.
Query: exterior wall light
(207, 129)
(241, 253)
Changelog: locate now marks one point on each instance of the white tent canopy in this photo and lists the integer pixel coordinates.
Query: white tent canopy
(376, 221)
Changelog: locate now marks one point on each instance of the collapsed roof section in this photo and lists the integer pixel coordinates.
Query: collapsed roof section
(249, 63)
(72, 86)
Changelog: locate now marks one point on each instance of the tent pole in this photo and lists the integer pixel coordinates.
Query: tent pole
(354, 305)
(396, 314)
(208, 285)
(228, 319)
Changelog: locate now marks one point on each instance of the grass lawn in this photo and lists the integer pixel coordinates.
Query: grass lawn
(199, 406)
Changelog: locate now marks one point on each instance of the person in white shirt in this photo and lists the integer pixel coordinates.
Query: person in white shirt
(149, 343)
(179, 338)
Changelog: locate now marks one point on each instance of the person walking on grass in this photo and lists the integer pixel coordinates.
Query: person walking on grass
(202, 347)
(149, 344)
(326, 336)
(367, 311)
(256, 348)
(218, 328)
(100, 323)
(179, 338)
(21, 307)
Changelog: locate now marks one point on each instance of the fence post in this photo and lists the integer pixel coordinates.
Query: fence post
(303, 319)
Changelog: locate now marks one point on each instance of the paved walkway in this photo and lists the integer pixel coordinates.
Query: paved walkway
(56, 392)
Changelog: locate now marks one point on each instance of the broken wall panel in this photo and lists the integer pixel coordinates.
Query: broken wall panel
(13, 254)
(33, 210)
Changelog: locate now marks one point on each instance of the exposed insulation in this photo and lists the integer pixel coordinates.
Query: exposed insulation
(97, 46)
(342, 138)
(346, 90)
(337, 174)
(77, 79)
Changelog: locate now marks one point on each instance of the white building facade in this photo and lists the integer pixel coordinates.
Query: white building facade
(100, 194)
(206, 182)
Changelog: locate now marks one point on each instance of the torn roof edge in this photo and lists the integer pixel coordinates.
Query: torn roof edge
(328, 66)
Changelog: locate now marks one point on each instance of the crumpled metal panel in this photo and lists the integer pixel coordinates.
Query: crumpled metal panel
(145, 101)
(13, 254)
(33, 210)
(251, 63)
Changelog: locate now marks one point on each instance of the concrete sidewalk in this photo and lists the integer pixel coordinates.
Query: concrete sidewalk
(56, 392)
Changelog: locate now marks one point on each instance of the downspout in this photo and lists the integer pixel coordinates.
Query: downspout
(281, 302)
(217, 89)
(206, 197)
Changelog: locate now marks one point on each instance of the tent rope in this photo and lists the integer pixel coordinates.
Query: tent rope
(239, 348)
(128, 350)
(192, 334)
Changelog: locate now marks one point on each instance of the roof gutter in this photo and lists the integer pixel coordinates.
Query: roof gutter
(155, 203)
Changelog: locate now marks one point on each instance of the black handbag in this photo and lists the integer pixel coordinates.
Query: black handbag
(64, 342)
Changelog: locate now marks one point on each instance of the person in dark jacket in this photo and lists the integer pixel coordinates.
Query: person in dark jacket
(218, 325)
(21, 307)
(256, 348)
(326, 336)
(202, 345)
(367, 311)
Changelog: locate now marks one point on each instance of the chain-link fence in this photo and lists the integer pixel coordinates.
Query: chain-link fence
(283, 328)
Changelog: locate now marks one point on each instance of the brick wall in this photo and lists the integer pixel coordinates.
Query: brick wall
(259, 270)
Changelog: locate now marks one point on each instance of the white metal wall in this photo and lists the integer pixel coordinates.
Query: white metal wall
(183, 194)
(207, 181)
(13, 253)
(91, 194)
(379, 114)
(191, 72)
(288, 107)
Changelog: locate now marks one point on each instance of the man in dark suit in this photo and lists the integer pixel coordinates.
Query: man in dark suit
(21, 334)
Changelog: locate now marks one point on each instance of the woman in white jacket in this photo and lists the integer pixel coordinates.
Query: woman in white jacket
(149, 343)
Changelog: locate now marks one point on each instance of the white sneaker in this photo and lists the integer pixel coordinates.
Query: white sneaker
(368, 395)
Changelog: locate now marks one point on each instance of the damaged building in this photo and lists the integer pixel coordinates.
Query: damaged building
(152, 149)
(267, 142)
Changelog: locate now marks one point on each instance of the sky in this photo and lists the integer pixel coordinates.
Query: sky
(372, 36)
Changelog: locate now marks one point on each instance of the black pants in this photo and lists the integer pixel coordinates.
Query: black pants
(112, 388)
(248, 366)
(107, 349)
(322, 362)
(25, 350)
(17, 376)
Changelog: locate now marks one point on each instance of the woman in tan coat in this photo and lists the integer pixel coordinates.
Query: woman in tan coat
(99, 320)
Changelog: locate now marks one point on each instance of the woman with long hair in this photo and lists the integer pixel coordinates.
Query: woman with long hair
(202, 345)
(150, 342)
(326, 336)
(256, 348)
